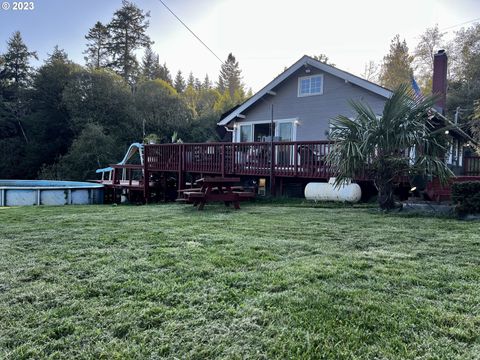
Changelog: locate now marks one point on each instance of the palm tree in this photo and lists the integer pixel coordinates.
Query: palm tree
(403, 141)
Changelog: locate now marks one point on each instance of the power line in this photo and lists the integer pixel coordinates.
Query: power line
(190, 31)
(448, 28)
(464, 23)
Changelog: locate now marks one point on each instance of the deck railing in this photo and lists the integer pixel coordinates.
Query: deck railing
(299, 158)
(306, 159)
(471, 165)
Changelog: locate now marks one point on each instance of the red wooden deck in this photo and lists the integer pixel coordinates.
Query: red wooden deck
(277, 160)
(287, 159)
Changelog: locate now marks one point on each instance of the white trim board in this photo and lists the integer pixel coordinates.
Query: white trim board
(306, 60)
(293, 121)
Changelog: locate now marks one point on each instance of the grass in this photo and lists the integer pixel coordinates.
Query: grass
(267, 281)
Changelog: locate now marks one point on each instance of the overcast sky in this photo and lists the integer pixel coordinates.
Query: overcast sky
(264, 35)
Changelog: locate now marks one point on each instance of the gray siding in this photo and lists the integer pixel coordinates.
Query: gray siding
(313, 112)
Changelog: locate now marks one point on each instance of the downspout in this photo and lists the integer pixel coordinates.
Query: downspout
(232, 131)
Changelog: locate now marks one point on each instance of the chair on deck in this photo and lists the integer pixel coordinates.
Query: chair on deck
(311, 160)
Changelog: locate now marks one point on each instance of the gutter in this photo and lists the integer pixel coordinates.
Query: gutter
(455, 127)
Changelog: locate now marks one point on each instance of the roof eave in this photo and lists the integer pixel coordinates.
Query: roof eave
(377, 89)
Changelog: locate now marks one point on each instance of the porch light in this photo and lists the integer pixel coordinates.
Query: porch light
(296, 122)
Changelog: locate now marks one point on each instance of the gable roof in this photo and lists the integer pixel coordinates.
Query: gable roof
(305, 60)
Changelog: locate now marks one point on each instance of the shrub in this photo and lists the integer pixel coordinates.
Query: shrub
(466, 196)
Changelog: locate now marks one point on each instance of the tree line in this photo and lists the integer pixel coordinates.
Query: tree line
(64, 120)
(400, 65)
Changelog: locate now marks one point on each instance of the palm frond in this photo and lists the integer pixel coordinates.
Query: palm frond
(380, 142)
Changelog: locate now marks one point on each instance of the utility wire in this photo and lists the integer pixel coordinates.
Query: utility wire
(190, 31)
(449, 27)
(464, 23)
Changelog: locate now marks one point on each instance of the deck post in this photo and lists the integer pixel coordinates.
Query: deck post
(295, 158)
(232, 170)
(223, 160)
(272, 169)
(181, 167)
(146, 176)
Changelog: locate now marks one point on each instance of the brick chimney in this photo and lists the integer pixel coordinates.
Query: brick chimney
(439, 85)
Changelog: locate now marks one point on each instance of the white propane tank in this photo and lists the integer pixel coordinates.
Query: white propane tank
(347, 192)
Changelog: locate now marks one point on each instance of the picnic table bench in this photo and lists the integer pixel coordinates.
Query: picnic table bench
(216, 189)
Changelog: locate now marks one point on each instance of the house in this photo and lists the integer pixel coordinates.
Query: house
(296, 108)
(302, 101)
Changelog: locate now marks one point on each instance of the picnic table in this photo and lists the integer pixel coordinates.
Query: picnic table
(217, 189)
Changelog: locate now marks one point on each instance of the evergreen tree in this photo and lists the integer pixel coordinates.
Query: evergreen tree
(207, 84)
(221, 86)
(191, 80)
(128, 33)
(151, 68)
(2, 72)
(197, 84)
(397, 65)
(16, 70)
(58, 56)
(230, 77)
(179, 82)
(16, 78)
(165, 73)
(49, 125)
(97, 55)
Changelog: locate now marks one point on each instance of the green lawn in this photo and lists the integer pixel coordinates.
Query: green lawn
(268, 281)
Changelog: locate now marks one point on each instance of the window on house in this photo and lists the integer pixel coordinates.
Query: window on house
(310, 85)
(261, 132)
(285, 131)
(246, 133)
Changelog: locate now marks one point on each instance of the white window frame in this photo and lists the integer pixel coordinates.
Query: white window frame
(460, 154)
(239, 131)
(455, 153)
(299, 87)
(293, 121)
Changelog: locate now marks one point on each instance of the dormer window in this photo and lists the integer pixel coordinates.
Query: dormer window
(310, 85)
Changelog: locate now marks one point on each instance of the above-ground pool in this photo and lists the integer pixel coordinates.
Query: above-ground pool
(48, 192)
